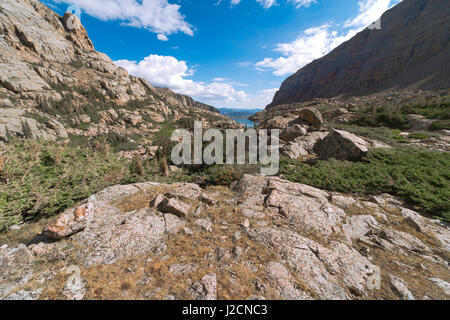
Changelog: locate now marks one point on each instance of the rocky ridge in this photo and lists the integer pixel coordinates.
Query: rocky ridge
(54, 74)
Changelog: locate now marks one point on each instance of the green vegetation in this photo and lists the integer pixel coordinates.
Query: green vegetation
(383, 134)
(437, 108)
(162, 140)
(226, 174)
(440, 125)
(420, 177)
(388, 116)
(38, 117)
(418, 135)
(77, 64)
(69, 106)
(27, 132)
(40, 179)
(394, 117)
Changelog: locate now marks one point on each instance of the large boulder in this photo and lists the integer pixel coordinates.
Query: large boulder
(277, 122)
(292, 132)
(312, 116)
(341, 145)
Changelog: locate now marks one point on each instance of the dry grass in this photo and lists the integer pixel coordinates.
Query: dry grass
(235, 279)
(141, 199)
(121, 280)
(414, 275)
(25, 234)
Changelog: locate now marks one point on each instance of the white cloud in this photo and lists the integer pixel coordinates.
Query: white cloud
(244, 64)
(220, 79)
(269, 3)
(158, 16)
(258, 100)
(369, 11)
(167, 71)
(316, 42)
(162, 37)
(312, 44)
(303, 3)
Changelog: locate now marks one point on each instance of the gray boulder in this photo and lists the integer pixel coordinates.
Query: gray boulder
(341, 145)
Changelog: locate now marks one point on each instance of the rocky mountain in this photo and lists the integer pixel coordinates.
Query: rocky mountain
(411, 50)
(58, 86)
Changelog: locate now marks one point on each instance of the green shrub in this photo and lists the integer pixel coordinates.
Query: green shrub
(222, 175)
(77, 64)
(226, 174)
(38, 117)
(440, 125)
(390, 117)
(395, 116)
(41, 179)
(418, 135)
(436, 108)
(421, 177)
(127, 146)
(27, 132)
(162, 140)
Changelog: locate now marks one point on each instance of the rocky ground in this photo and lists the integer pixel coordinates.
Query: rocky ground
(263, 238)
(303, 124)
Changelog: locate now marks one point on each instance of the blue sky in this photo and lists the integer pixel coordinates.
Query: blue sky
(228, 53)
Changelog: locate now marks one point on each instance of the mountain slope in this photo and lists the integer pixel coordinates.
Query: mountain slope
(411, 50)
(54, 75)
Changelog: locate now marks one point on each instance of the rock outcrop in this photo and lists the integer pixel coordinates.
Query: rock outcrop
(16, 122)
(265, 238)
(411, 49)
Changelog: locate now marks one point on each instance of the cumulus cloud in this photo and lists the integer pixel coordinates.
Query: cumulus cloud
(167, 71)
(158, 16)
(316, 42)
(312, 44)
(369, 11)
(259, 99)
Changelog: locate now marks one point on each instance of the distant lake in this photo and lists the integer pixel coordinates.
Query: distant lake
(240, 115)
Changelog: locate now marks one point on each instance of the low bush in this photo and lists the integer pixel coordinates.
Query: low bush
(418, 135)
(40, 179)
(440, 125)
(419, 176)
